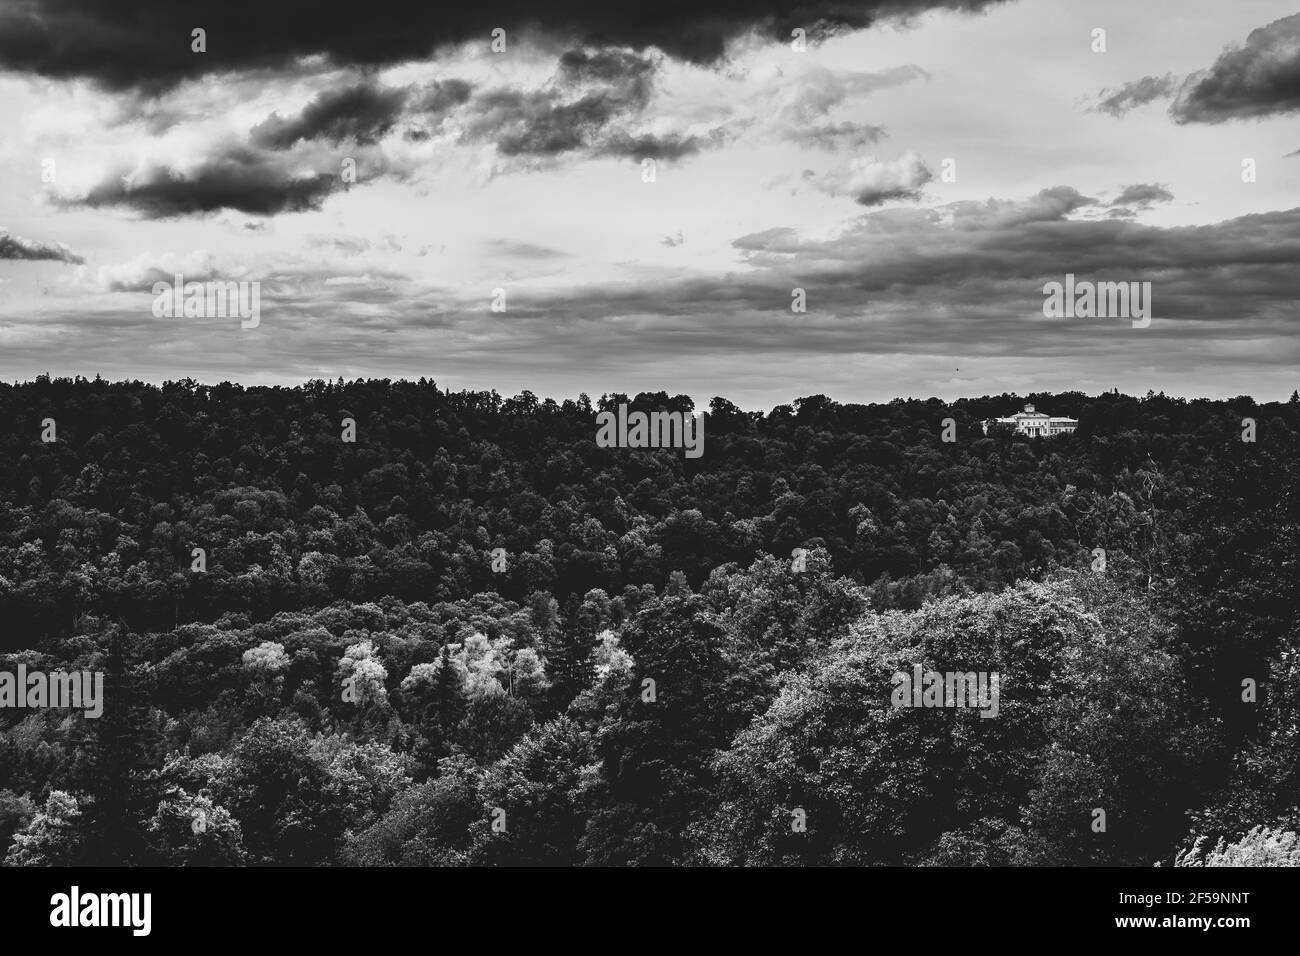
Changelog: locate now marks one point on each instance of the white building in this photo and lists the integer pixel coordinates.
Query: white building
(1031, 422)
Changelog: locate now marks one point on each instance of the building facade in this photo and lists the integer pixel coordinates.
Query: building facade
(1034, 423)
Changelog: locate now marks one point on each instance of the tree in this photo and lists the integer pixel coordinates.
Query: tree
(16, 811)
(295, 795)
(1260, 847)
(192, 831)
(56, 835)
(1088, 717)
(540, 784)
(118, 751)
(436, 700)
(655, 743)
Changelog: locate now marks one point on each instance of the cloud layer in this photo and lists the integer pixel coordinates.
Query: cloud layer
(16, 247)
(147, 43)
(778, 169)
(1260, 78)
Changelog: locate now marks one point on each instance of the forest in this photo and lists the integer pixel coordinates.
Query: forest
(473, 637)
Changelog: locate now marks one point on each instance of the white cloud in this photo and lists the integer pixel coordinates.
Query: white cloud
(872, 182)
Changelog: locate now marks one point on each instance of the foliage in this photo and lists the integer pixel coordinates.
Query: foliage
(653, 677)
(1260, 847)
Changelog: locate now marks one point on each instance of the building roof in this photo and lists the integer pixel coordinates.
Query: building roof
(1030, 415)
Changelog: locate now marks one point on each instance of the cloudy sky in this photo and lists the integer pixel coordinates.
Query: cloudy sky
(920, 169)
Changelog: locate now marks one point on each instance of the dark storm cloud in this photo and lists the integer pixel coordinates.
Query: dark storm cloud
(146, 43)
(534, 124)
(1135, 94)
(586, 106)
(362, 113)
(238, 179)
(617, 67)
(425, 108)
(1261, 78)
(646, 146)
(16, 247)
(1142, 195)
(1237, 268)
(878, 197)
(442, 97)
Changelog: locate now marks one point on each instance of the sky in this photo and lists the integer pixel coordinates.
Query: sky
(919, 168)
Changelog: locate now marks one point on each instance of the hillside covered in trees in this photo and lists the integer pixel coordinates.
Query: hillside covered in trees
(472, 636)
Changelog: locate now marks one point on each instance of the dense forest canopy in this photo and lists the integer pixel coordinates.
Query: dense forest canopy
(432, 645)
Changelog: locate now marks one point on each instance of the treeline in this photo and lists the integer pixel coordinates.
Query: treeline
(349, 680)
(105, 518)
